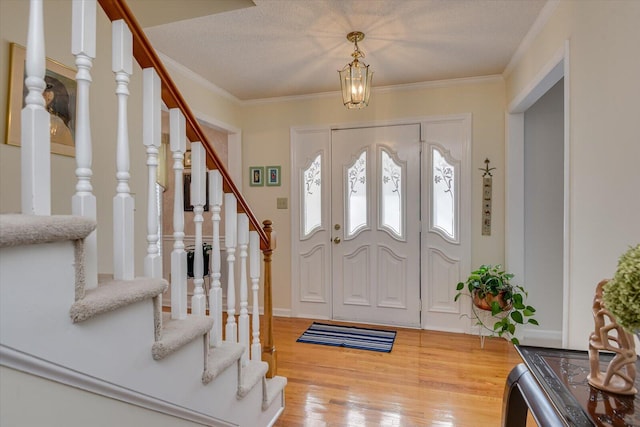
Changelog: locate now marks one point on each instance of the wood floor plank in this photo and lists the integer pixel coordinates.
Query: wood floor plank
(429, 379)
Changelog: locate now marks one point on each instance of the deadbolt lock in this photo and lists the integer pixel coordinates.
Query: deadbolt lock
(337, 226)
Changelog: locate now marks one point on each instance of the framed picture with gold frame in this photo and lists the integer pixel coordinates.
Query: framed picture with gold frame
(60, 101)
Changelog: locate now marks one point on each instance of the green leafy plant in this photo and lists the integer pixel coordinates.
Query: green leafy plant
(621, 294)
(490, 289)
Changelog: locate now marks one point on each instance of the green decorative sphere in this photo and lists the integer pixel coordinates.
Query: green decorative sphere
(621, 294)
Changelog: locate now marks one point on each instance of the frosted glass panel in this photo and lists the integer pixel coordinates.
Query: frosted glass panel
(356, 205)
(391, 211)
(443, 194)
(312, 196)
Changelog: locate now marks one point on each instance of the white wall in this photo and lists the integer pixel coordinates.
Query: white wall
(544, 211)
(604, 144)
(59, 405)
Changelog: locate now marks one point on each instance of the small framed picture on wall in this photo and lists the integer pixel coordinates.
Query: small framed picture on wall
(273, 176)
(256, 176)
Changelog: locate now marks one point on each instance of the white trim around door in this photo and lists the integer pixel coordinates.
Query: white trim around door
(556, 68)
(442, 262)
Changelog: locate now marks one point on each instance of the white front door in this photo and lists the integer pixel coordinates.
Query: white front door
(373, 188)
(375, 224)
(446, 224)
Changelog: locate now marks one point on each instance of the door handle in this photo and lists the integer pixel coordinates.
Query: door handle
(336, 240)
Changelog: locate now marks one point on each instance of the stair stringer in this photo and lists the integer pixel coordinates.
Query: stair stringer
(113, 347)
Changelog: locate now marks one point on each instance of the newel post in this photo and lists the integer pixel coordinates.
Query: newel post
(268, 349)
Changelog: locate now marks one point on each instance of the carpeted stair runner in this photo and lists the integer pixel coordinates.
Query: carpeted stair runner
(109, 296)
(18, 229)
(177, 333)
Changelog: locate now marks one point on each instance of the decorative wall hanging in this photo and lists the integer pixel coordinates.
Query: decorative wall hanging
(487, 184)
(273, 176)
(60, 101)
(256, 176)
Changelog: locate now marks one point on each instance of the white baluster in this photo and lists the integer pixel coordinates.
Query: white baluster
(198, 199)
(243, 318)
(177, 134)
(254, 273)
(152, 138)
(35, 136)
(215, 294)
(123, 203)
(230, 228)
(83, 202)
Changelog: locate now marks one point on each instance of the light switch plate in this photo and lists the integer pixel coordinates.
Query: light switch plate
(282, 203)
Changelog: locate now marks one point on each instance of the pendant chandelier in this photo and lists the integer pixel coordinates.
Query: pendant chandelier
(355, 77)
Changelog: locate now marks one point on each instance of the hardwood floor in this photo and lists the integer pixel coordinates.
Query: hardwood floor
(428, 379)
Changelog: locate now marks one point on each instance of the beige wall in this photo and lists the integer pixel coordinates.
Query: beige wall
(604, 140)
(265, 131)
(266, 141)
(13, 19)
(204, 98)
(103, 108)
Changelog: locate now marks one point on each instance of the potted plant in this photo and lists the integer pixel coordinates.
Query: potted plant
(490, 289)
(621, 294)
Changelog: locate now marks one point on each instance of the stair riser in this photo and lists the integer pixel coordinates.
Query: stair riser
(36, 291)
(114, 346)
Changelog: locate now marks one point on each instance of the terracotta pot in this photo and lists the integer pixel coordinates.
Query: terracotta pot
(485, 303)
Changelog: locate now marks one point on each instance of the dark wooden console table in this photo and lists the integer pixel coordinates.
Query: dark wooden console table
(552, 385)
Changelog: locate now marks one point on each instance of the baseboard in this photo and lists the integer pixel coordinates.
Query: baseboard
(443, 329)
(23, 362)
(533, 337)
(277, 312)
(542, 338)
(281, 312)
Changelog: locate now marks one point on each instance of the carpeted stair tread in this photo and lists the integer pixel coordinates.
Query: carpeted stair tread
(220, 358)
(19, 229)
(111, 295)
(176, 333)
(272, 388)
(252, 373)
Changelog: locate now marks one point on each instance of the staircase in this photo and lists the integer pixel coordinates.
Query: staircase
(61, 321)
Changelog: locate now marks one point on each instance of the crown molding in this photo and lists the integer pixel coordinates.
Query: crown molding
(527, 41)
(381, 89)
(186, 72)
(197, 78)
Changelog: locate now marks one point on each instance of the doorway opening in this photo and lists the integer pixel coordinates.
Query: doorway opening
(537, 197)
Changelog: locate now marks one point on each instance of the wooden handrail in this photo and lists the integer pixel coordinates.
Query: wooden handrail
(146, 56)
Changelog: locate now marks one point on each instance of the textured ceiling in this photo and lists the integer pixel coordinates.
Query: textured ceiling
(295, 47)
